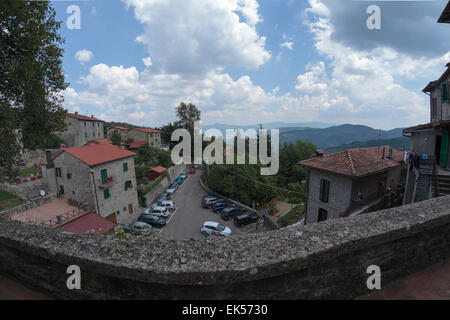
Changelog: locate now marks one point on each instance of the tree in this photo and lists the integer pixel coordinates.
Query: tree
(31, 77)
(166, 133)
(187, 114)
(116, 138)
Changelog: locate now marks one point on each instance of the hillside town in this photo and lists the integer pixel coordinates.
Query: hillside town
(118, 180)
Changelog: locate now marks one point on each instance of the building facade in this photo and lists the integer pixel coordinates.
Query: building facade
(431, 143)
(120, 130)
(100, 177)
(352, 182)
(80, 129)
(150, 136)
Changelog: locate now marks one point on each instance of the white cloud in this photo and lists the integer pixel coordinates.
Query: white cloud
(147, 62)
(84, 55)
(200, 35)
(287, 44)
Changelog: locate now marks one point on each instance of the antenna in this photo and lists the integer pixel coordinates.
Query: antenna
(379, 142)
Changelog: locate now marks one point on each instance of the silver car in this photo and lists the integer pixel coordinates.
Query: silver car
(138, 228)
(158, 211)
(211, 228)
(168, 204)
(172, 188)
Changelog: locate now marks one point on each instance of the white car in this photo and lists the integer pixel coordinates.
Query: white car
(158, 211)
(168, 204)
(211, 228)
(172, 188)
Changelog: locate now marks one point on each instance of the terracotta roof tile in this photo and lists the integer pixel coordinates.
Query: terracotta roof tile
(87, 222)
(146, 130)
(119, 127)
(356, 162)
(158, 169)
(95, 154)
(135, 144)
(82, 117)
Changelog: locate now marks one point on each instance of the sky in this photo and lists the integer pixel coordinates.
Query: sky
(244, 62)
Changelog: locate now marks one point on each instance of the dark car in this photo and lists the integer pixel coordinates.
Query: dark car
(207, 203)
(231, 212)
(153, 220)
(219, 205)
(245, 219)
(163, 196)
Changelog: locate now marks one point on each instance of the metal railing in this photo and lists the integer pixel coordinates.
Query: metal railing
(59, 219)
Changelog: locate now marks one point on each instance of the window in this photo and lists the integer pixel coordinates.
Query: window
(85, 134)
(125, 166)
(128, 185)
(444, 91)
(322, 215)
(61, 189)
(93, 134)
(106, 193)
(93, 124)
(58, 172)
(69, 176)
(433, 108)
(85, 123)
(104, 174)
(324, 190)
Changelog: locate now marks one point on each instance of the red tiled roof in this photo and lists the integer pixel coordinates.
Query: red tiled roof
(356, 162)
(146, 130)
(442, 123)
(120, 128)
(82, 117)
(158, 169)
(135, 144)
(95, 154)
(87, 222)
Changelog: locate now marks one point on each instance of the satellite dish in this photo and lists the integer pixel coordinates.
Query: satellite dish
(42, 193)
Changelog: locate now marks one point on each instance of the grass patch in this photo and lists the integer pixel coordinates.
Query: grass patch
(293, 216)
(8, 201)
(28, 171)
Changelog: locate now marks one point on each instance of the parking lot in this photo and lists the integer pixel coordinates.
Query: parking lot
(187, 220)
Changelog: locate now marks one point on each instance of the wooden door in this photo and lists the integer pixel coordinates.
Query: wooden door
(130, 208)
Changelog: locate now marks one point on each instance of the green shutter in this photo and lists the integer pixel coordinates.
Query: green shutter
(61, 189)
(106, 193)
(125, 166)
(104, 174)
(444, 149)
(444, 90)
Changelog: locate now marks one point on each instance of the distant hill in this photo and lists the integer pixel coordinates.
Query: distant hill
(337, 135)
(400, 142)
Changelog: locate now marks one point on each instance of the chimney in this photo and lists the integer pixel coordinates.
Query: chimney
(62, 146)
(319, 153)
(383, 152)
(92, 116)
(76, 113)
(50, 163)
(390, 153)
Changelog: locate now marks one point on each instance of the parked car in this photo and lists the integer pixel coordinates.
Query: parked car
(211, 195)
(219, 205)
(172, 188)
(195, 166)
(179, 180)
(168, 204)
(245, 219)
(231, 212)
(158, 211)
(183, 175)
(192, 171)
(211, 228)
(210, 201)
(163, 196)
(138, 228)
(152, 220)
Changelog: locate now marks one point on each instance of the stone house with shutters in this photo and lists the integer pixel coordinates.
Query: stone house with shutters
(352, 182)
(430, 142)
(151, 136)
(80, 129)
(100, 177)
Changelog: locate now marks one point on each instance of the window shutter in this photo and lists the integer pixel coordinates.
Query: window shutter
(444, 90)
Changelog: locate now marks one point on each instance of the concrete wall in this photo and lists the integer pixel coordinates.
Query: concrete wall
(318, 261)
(424, 141)
(443, 109)
(339, 198)
(33, 203)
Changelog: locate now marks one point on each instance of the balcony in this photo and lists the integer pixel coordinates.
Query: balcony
(108, 183)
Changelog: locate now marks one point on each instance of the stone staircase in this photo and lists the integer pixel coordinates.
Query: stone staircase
(444, 185)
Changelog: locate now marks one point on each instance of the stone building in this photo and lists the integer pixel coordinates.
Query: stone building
(150, 136)
(100, 177)
(80, 129)
(445, 16)
(352, 182)
(120, 130)
(430, 142)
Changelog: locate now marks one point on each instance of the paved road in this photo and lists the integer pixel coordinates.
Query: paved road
(185, 223)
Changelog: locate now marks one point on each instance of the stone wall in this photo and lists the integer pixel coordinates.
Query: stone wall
(26, 190)
(317, 261)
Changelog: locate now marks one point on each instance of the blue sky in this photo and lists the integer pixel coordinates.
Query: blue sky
(248, 61)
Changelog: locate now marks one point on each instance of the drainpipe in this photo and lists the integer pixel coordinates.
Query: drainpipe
(95, 193)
